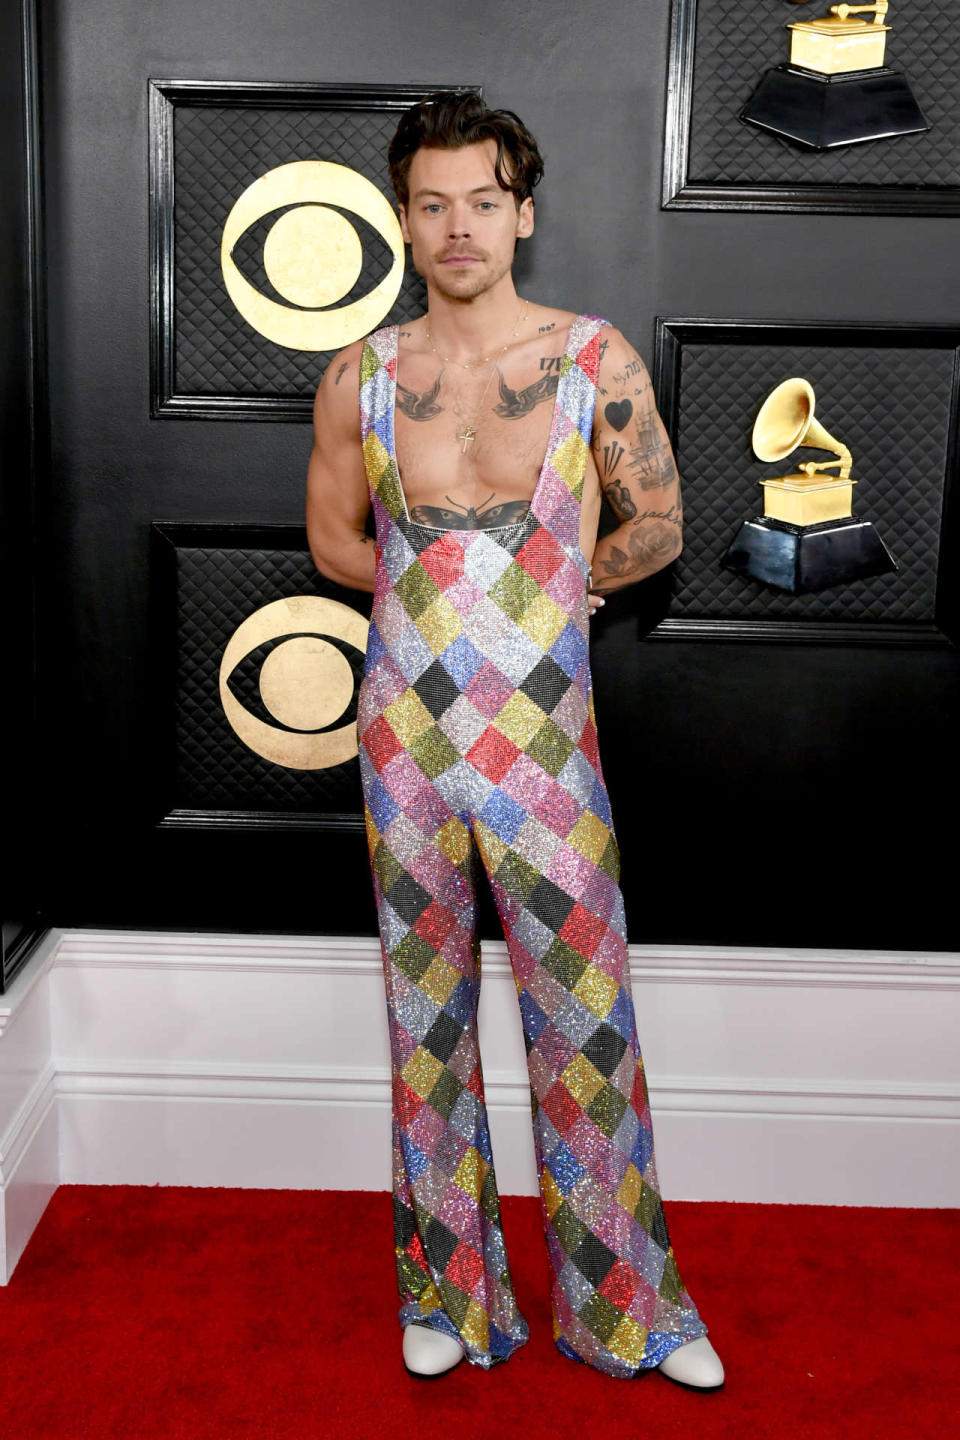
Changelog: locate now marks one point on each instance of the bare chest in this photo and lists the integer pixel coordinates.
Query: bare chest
(472, 438)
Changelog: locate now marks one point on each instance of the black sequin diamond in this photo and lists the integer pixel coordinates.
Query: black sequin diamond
(546, 684)
(605, 1049)
(437, 689)
(439, 1244)
(549, 904)
(408, 898)
(441, 1039)
(404, 1224)
(593, 1259)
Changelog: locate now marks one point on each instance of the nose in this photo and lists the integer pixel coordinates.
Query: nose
(459, 222)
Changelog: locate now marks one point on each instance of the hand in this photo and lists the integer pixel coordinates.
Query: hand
(594, 602)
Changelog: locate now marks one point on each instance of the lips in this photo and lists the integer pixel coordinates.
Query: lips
(460, 260)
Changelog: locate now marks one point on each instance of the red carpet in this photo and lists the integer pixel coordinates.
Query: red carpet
(194, 1313)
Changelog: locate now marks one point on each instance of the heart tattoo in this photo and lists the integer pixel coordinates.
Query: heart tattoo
(618, 412)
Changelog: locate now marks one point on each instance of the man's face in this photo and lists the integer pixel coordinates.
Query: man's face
(461, 226)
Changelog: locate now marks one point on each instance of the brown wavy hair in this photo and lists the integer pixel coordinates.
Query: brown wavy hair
(448, 120)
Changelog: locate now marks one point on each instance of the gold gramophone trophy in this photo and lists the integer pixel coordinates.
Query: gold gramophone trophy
(807, 538)
(836, 90)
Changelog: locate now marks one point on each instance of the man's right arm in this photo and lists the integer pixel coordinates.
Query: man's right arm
(338, 500)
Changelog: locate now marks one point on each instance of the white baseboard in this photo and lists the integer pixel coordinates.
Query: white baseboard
(777, 1076)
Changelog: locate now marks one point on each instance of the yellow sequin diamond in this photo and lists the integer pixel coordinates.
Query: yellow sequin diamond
(453, 840)
(628, 1340)
(630, 1187)
(589, 836)
(552, 1197)
(422, 1071)
(470, 1173)
(494, 849)
(440, 624)
(543, 620)
(408, 717)
(520, 719)
(440, 981)
(476, 1326)
(598, 990)
(375, 456)
(583, 1080)
(569, 460)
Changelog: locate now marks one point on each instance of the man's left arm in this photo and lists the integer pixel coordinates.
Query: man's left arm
(638, 474)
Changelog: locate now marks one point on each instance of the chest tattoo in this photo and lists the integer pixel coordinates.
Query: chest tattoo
(514, 403)
(468, 517)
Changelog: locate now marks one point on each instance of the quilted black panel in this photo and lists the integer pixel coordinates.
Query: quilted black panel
(737, 40)
(890, 406)
(218, 152)
(216, 589)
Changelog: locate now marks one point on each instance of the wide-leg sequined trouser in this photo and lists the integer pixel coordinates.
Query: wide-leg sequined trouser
(475, 725)
(619, 1303)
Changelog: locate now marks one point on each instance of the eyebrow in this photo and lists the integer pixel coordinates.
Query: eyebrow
(442, 195)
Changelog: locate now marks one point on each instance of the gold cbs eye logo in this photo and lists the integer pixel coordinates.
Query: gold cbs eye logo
(305, 682)
(312, 255)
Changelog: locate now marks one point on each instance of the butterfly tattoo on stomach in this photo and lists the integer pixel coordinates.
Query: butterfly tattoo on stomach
(469, 517)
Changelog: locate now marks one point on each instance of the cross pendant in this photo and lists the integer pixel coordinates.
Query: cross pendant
(466, 437)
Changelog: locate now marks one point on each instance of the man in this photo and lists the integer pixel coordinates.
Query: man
(484, 434)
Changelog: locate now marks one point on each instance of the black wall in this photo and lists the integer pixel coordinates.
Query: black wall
(21, 447)
(767, 794)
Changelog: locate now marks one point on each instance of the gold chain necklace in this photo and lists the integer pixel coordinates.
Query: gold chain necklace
(469, 431)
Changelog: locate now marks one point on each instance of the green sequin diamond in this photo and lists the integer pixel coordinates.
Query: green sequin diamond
(606, 1109)
(551, 748)
(564, 963)
(416, 590)
(433, 752)
(515, 590)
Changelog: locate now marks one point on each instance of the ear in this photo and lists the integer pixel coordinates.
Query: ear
(404, 229)
(525, 218)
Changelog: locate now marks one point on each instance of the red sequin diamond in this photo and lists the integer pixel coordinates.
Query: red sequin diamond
(561, 1107)
(381, 743)
(443, 562)
(493, 754)
(583, 931)
(435, 924)
(619, 1285)
(541, 556)
(464, 1267)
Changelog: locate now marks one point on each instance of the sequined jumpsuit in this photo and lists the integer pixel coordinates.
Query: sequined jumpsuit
(476, 728)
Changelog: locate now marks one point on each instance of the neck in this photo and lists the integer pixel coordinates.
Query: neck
(464, 329)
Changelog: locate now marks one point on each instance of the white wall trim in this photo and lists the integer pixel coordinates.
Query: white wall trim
(673, 964)
(775, 1075)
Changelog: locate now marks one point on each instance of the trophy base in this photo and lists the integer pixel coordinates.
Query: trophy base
(821, 112)
(810, 557)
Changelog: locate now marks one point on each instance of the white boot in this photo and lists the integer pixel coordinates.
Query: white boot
(429, 1352)
(696, 1364)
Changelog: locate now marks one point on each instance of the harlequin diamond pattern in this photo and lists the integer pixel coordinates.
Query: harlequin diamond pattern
(476, 728)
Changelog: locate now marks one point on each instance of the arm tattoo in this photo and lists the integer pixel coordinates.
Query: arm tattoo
(514, 403)
(620, 502)
(612, 455)
(618, 413)
(648, 547)
(419, 407)
(651, 461)
(340, 372)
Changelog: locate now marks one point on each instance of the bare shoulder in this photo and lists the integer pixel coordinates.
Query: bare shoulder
(547, 321)
(336, 398)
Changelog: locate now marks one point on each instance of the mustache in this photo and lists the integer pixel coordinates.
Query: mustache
(461, 253)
